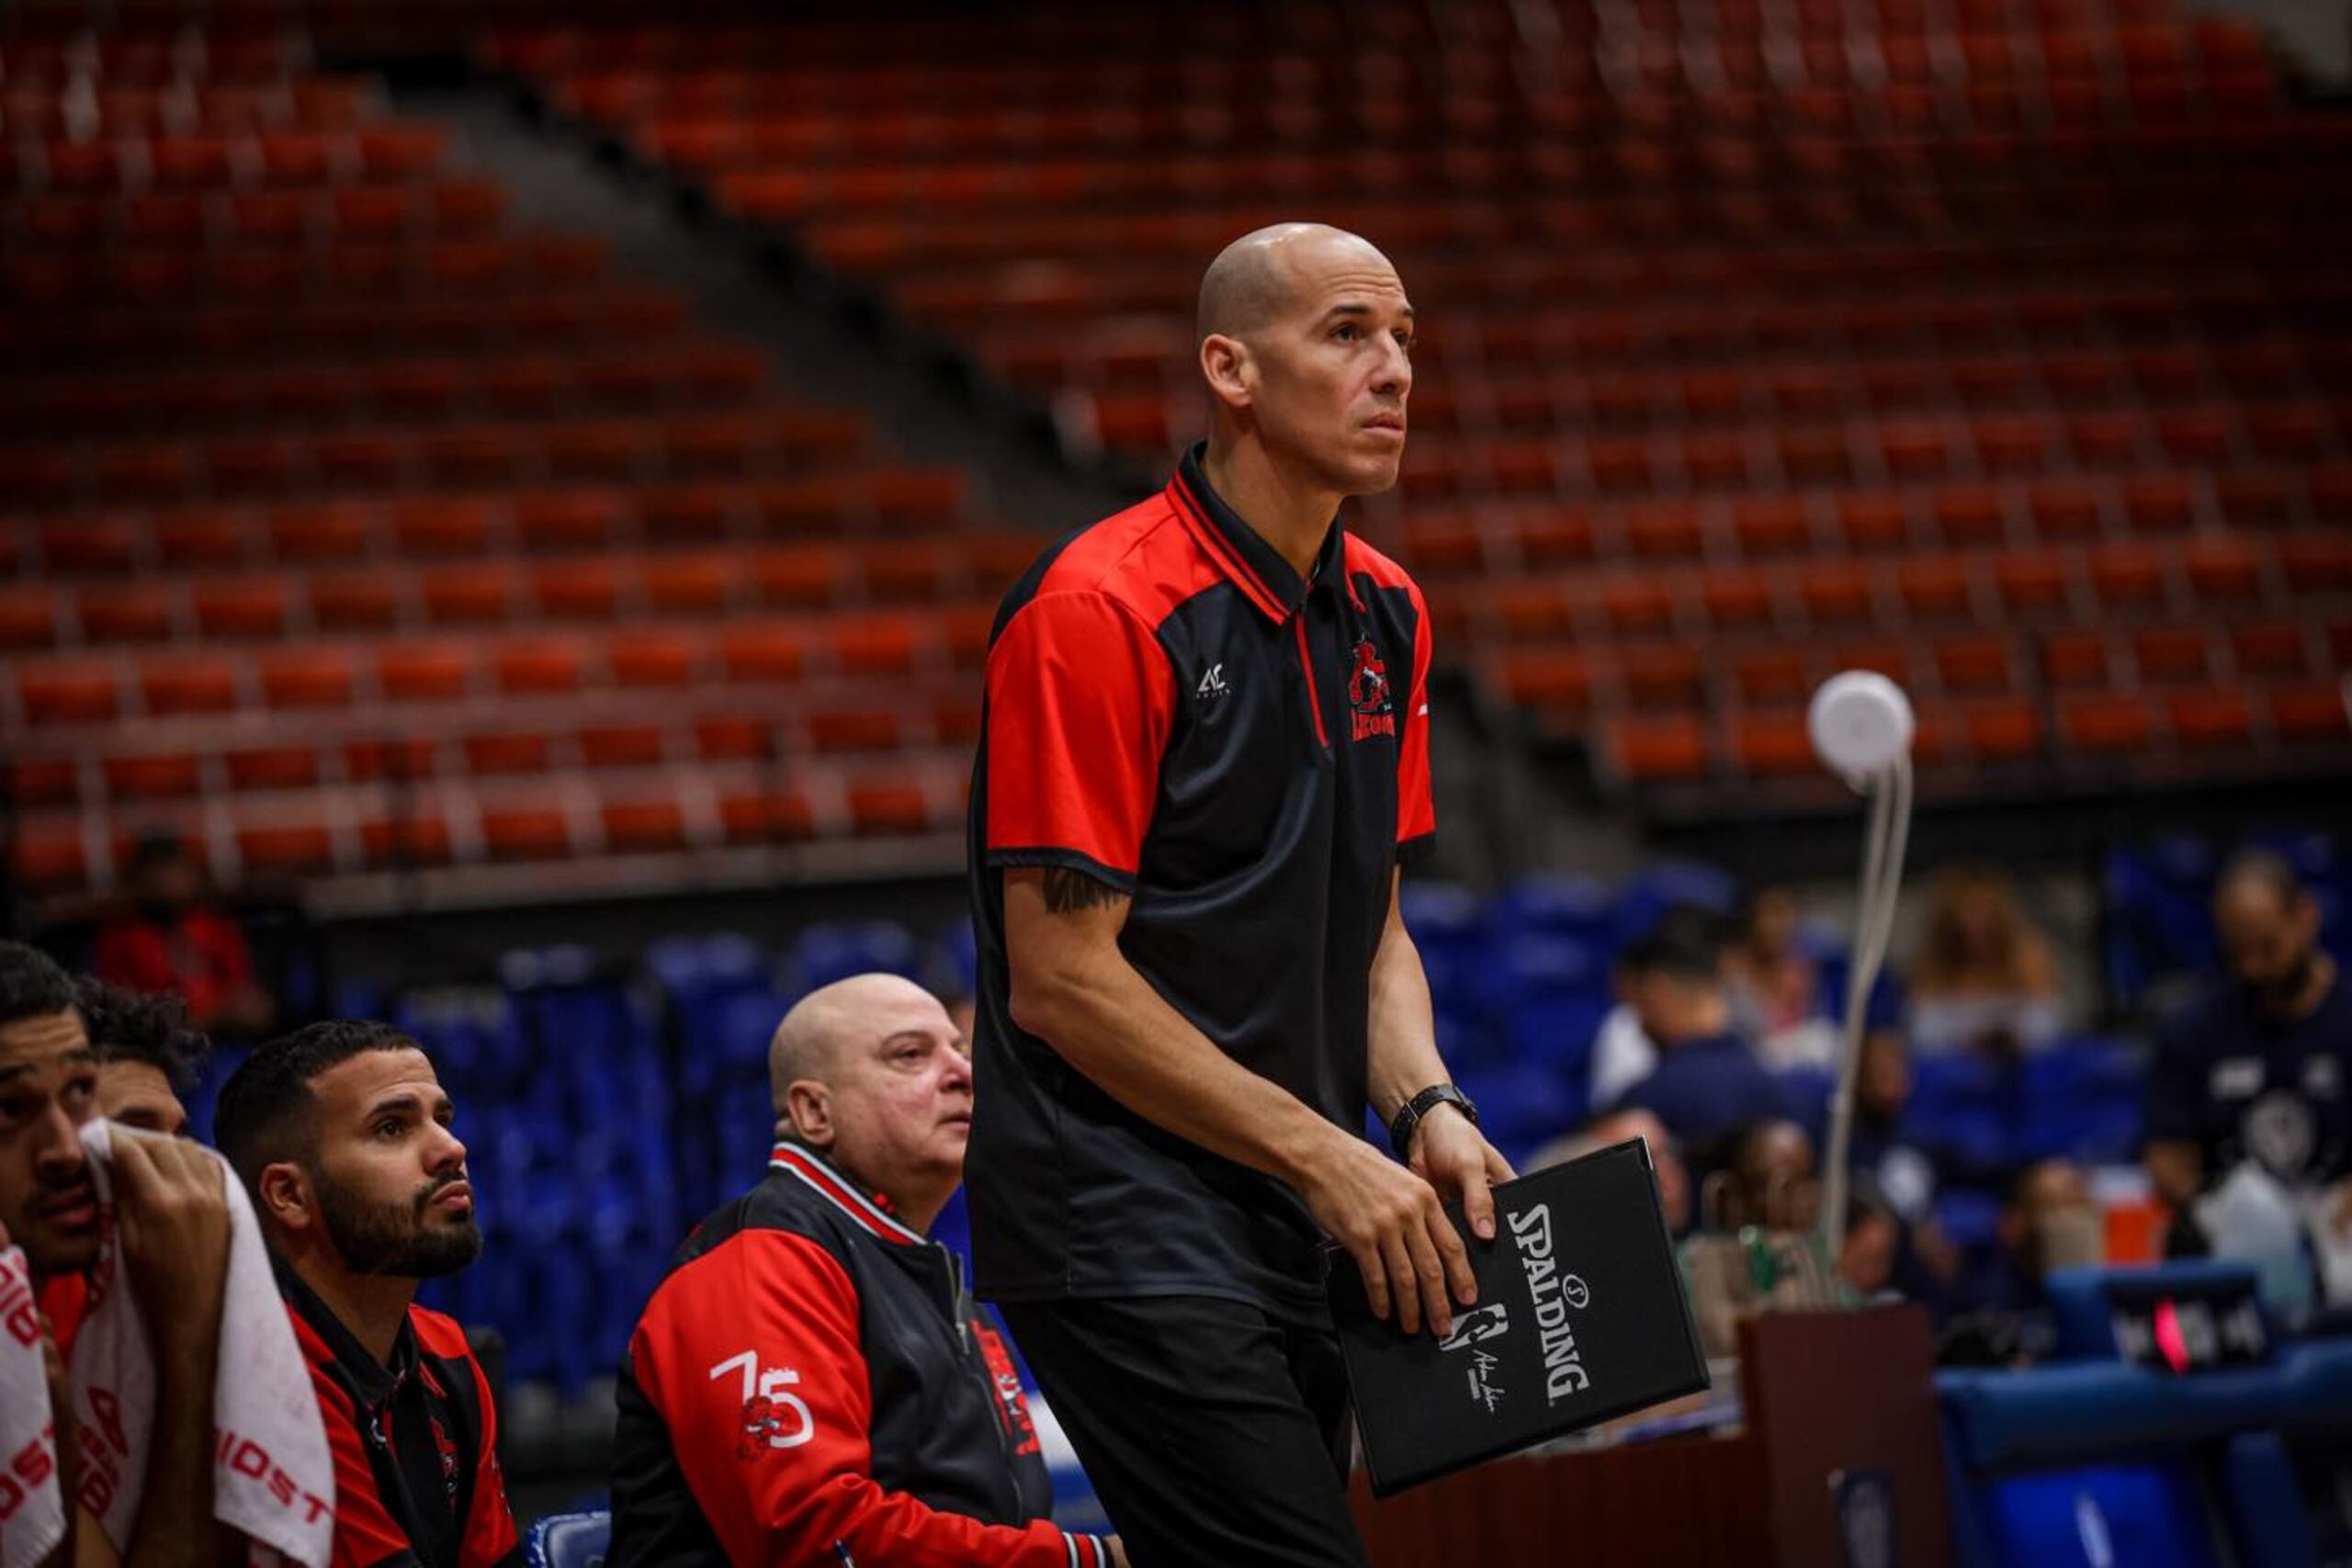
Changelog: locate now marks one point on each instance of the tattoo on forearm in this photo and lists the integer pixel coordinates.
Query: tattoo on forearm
(1067, 891)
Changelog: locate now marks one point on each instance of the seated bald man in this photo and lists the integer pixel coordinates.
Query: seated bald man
(812, 1384)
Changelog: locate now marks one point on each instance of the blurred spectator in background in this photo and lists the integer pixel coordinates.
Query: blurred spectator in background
(1982, 978)
(1999, 1305)
(170, 940)
(1707, 1079)
(1665, 1156)
(1623, 1051)
(147, 1055)
(1905, 1173)
(2259, 1070)
(1775, 986)
(341, 1134)
(1756, 1250)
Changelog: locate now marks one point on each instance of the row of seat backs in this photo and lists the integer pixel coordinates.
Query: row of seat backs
(2090, 1459)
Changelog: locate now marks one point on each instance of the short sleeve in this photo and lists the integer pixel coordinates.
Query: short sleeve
(1416, 812)
(1080, 697)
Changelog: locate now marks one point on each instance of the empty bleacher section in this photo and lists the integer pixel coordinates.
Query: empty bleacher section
(353, 529)
(1983, 341)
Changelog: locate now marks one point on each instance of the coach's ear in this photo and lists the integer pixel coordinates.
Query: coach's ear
(1226, 366)
(285, 1196)
(808, 1107)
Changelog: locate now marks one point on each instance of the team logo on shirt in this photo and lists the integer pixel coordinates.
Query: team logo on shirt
(1368, 694)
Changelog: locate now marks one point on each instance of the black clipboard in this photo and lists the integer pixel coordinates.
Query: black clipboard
(1581, 1317)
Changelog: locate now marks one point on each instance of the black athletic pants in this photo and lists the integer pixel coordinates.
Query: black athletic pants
(1215, 1436)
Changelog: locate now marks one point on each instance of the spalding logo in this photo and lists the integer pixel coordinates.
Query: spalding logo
(1553, 1294)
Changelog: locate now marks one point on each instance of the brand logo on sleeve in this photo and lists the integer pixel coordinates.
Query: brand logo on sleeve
(1212, 684)
(1368, 694)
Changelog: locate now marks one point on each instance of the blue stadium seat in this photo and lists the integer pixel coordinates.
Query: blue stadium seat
(569, 1541)
(1554, 904)
(1524, 1106)
(835, 950)
(2082, 1101)
(1965, 1104)
(959, 954)
(1807, 1090)
(1650, 893)
(1447, 926)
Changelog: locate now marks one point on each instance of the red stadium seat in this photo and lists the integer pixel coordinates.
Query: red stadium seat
(27, 616)
(189, 684)
(2274, 648)
(419, 836)
(272, 767)
(51, 856)
(1548, 677)
(2003, 730)
(644, 826)
(884, 806)
(478, 593)
(45, 780)
(2106, 721)
(653, 659)
(2171, 653)
(152, 775)
(424, 672)
(1658, 748)
(1773, 745)
(622, 746)
(764, 651)
(524, 832)
(349, 602)
(507, 752)
(539, 667)
(766, 818)
(241, 606)
(2305, 715)
(80, 692)
(129, 612)
(285, 849)
(2212, 718)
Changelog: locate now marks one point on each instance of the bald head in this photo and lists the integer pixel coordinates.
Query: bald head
(2258, 875)
(812, 1041)
(1267, 271)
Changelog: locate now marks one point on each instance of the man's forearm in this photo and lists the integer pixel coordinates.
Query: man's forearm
(174, 1525)
(1106, 1020)
(1402, 1058)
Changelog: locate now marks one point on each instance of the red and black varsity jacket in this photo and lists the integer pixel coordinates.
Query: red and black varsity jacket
(812, 1384)
(415, 1443)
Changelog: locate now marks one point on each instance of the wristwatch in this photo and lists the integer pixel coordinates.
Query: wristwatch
(1400, 1130)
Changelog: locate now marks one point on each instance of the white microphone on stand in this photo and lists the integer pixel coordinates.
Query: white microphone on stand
(1861, 727)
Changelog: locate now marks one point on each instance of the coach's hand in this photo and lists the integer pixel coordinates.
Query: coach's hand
(1393, 1224)
(1453, 1156)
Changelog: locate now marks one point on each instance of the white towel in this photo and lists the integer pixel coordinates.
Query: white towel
(273, 1477)
(32, 1513)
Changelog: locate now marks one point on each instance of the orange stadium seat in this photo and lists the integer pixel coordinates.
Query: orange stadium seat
(1662, 748)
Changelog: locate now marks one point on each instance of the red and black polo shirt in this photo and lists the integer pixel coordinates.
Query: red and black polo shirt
(416, 1442)
(1172, 709)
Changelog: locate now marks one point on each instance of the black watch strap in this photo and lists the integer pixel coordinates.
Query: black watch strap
(1400, 1130)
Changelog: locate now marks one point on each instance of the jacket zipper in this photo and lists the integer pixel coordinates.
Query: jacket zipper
(972, 1358)
(1306, 668)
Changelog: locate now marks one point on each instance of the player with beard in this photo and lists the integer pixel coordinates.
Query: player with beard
(341, 1133)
